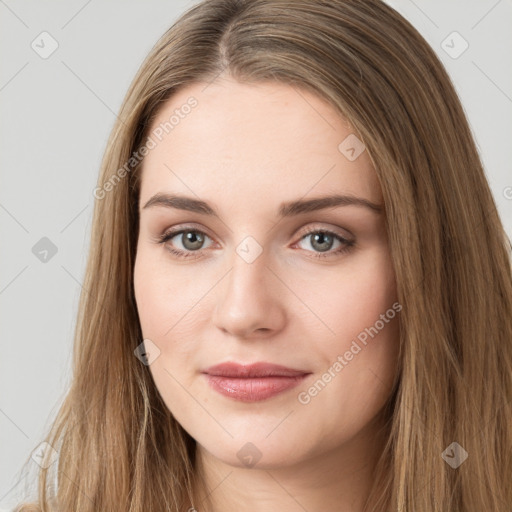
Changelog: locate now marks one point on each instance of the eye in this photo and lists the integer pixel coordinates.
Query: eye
(322, 240)
(191, 240)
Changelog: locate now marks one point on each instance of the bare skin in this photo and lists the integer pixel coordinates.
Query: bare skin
(244, 150)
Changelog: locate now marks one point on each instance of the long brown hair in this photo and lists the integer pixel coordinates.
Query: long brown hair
(119, 446)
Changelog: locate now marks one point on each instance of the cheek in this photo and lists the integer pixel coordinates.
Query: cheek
(354, 299)
(172, 307)
(165, 297)
(360, 354)
(164, 303)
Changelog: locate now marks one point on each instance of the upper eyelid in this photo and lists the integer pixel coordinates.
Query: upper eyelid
(172, 232)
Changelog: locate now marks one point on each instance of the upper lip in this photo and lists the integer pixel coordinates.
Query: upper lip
(261, 369)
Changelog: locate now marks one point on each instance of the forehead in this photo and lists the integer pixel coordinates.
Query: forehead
(269, 142)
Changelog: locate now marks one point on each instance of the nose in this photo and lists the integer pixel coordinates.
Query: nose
(250, 300)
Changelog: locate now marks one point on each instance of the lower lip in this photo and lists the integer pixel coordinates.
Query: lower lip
(252, 389)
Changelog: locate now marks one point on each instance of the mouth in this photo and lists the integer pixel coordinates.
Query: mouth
(254, 382)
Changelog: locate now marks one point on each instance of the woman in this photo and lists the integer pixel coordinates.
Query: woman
(298, 294)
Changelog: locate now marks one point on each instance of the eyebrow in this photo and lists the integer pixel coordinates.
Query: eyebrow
(287, 209)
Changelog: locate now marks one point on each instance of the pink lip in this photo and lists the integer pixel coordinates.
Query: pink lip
(254, 382)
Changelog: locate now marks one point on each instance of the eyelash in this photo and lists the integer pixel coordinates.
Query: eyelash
(348, 244)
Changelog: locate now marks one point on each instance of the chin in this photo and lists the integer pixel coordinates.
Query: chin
(253, 450)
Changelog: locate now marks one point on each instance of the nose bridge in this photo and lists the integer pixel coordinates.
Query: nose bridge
(248, 300)
(249, 270)
(248, 260)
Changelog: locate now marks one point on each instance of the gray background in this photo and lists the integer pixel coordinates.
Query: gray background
(56, 116)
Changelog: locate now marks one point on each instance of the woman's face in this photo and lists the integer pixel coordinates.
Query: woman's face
(265, 274)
